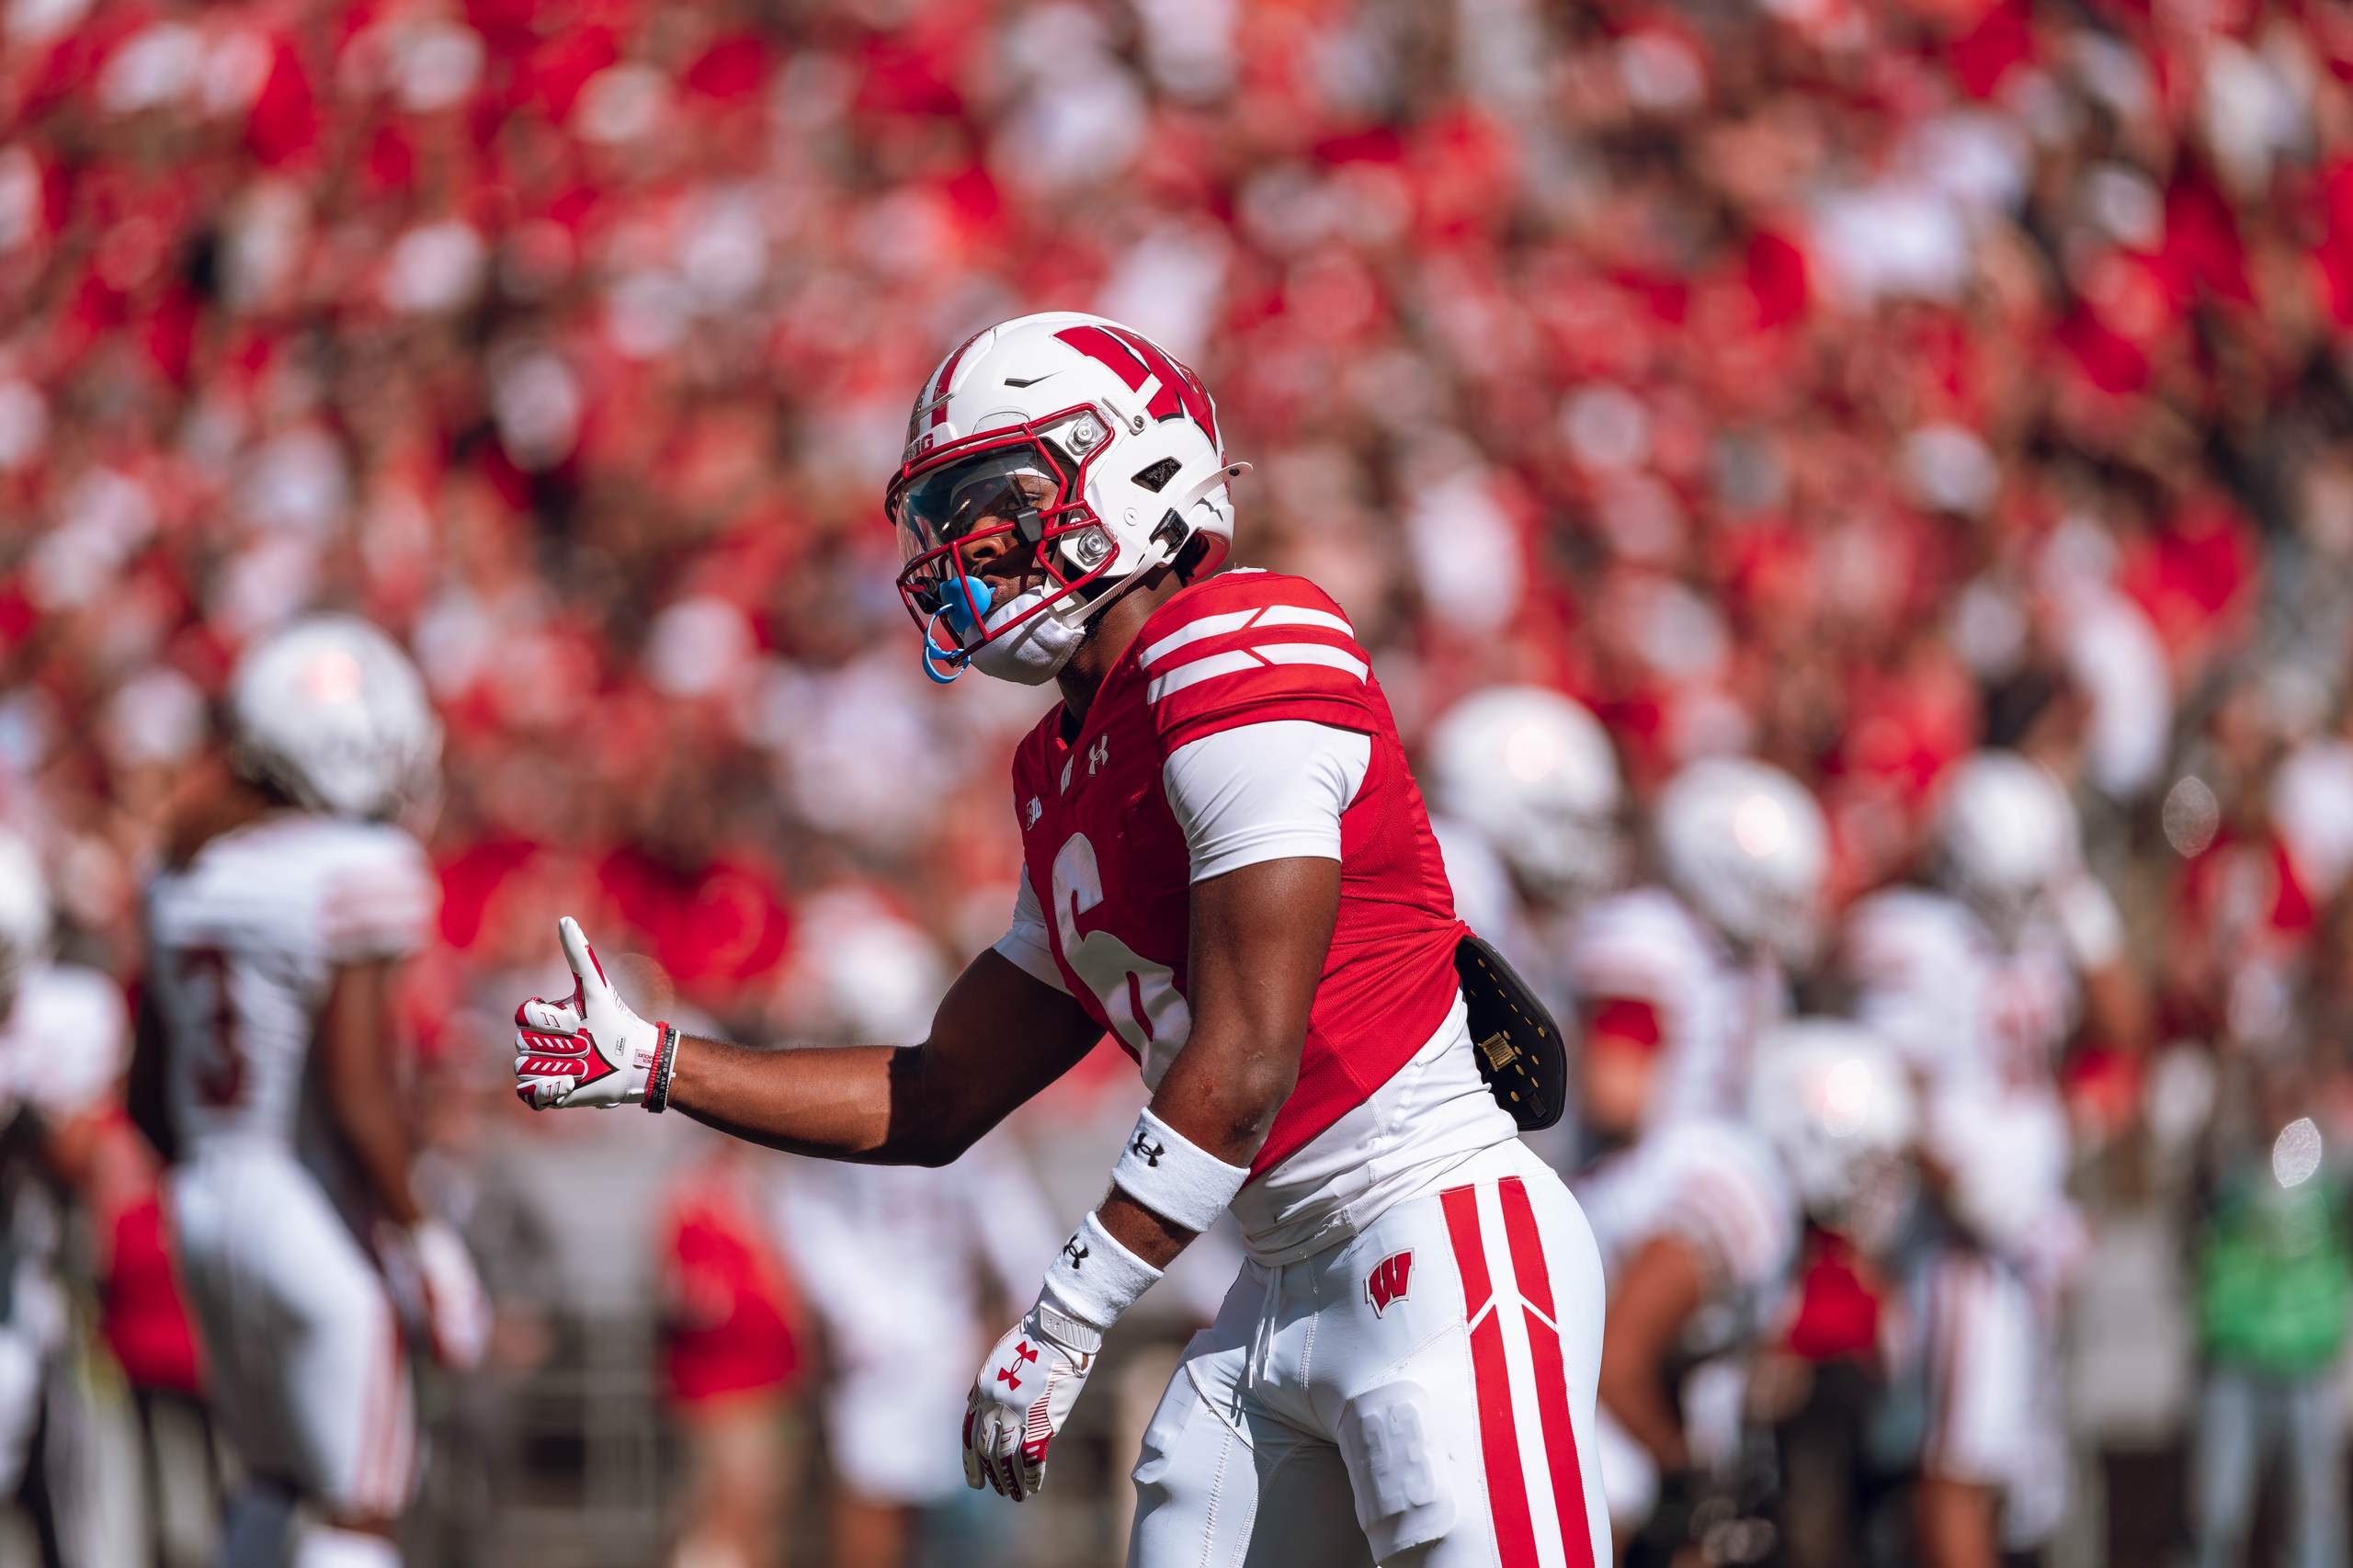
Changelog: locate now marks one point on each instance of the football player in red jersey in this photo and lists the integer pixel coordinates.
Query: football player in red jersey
(1227, 866)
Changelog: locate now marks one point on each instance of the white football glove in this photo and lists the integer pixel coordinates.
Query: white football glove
(1024, 1394)
(589, 1048)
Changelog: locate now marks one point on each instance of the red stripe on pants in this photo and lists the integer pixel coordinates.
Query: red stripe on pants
(1498, 1433)
(1551, 1374)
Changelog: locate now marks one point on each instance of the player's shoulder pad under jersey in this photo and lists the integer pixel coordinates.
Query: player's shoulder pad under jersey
(378, 896)
(1245, 647)
(1719, 1185)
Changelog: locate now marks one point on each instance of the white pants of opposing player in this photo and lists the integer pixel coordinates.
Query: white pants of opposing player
(302, 1344)
(1423, 1396)
(1993, 1408)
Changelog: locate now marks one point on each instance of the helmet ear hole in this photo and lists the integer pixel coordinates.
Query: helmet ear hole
(1154, 476)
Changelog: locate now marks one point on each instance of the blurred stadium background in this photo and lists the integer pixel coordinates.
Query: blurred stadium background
(1852, 383)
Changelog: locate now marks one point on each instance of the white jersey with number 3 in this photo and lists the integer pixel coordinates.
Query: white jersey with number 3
(245, 941)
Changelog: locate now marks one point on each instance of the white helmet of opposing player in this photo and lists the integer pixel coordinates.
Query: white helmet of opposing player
(1834, 1102)
(331, 712)
(869, 976)
(1747, 845)
(2008, 837)
(1534, 773)
(1066, 445)
(24, 915)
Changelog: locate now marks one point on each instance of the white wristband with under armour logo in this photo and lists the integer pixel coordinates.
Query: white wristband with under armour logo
(1091, 1283)
(1174, 1178)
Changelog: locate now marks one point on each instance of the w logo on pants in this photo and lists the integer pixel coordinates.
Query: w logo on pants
(1386, 1283)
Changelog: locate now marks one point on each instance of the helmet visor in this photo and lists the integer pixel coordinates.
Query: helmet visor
(988, 492)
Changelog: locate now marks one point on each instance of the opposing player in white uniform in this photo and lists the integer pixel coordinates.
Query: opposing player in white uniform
(1979, 984)
(894, 1261)
(275, 933)
(1227, 866)
(1676, 980)
(1526, 799)
(65, 1042)
(1699, 1226)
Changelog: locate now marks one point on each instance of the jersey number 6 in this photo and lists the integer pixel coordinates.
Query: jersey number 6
(1139, 997)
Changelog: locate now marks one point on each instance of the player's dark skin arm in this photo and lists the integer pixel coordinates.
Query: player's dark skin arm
(352, 1052)
(999, 1038)
(1257, 940)
(1656, 1296)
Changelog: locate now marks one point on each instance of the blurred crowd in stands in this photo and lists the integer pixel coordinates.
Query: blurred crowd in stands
(1853, 385)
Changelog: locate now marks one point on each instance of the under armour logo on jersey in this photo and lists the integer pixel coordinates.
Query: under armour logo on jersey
(1386, 1283)
(1150, 1150)
(1035, 810)
(1098, 754)
(1075, 1253)
(1004, 1375)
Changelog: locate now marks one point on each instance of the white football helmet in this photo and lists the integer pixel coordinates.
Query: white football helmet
(24, 915)
(2008, 837)
(1070, 444)
(1834, 1102)
(1748, 847)
(331, 712)
(1534, 772)
(871, 978)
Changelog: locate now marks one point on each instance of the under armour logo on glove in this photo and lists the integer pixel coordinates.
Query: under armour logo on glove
(1149, 1150)
(1075, 1253)
(1021, 1352)
(1010, 1417)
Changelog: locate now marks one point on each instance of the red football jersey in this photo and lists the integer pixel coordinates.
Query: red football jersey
(1110, 864)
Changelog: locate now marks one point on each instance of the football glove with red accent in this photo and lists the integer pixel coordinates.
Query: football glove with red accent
(589, 1048)
(1024, 1394)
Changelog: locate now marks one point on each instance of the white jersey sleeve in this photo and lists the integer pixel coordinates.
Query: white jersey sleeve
(1265, 791)
(1025, 944)
(1713, 1184)
(378, 898)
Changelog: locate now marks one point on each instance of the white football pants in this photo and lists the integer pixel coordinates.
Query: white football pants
(1420, 1395)
(300, 1341)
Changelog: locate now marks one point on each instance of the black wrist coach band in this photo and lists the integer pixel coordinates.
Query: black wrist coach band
(657, 1083)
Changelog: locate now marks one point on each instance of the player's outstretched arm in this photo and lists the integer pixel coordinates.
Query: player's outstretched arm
(1257, 940)
(999, 1038)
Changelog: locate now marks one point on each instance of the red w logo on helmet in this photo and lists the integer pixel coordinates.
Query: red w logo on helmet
(1136, 359)
(1387, 1281)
